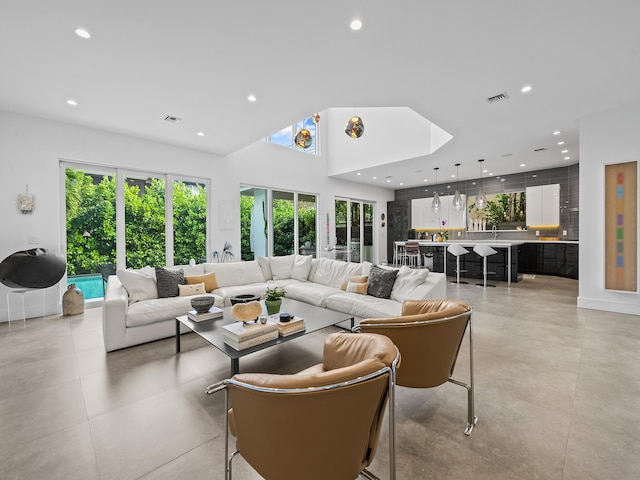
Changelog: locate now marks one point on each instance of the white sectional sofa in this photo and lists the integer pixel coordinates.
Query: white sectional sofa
(135, 315)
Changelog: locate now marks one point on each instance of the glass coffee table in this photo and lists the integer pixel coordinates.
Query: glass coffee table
(315, 318)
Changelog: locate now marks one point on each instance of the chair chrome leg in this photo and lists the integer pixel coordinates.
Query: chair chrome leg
(368, 475)
(471, 417)
(228, 473)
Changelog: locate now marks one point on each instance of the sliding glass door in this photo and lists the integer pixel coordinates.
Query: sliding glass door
(354, 230)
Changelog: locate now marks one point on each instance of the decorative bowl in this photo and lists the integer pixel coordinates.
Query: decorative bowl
(202, 304)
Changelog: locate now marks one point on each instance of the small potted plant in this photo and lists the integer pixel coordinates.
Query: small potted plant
(273, 299)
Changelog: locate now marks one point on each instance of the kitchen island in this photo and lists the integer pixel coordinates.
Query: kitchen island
(504, 263)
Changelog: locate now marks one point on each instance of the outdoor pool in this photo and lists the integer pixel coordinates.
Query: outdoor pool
(90, 285)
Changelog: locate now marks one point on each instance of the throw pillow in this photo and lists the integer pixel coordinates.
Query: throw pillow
(407, 281)
(360, 288)
(301, 267)
(265, 267)
(355, 279)
(281, 266)
(209, 280)
(191, 289)
(168, 282)
(381, 282)
(138, 285)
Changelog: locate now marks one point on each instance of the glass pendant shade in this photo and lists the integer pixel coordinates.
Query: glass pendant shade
(481, 199)
(457, 198)
(457, 201)
(303, 138)
(354, 127)
(436, 203)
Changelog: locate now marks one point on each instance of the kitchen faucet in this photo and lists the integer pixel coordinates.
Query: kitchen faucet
(494, 229)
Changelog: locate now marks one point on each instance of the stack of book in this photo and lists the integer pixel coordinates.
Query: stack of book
(240, 336)
(214, 312)
(295, 325)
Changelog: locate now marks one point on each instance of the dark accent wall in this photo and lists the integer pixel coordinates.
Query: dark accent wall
(567, 177)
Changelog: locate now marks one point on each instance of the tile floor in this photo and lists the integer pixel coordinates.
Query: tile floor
(557, 396)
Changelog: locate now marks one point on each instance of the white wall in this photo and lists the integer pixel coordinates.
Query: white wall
(30, 150)
(391, 134)
(605, 137)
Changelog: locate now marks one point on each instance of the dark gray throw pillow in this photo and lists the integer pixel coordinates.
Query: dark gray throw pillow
(381, 282)
(168, 281)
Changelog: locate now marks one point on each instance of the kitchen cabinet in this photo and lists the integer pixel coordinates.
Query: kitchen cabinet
(543, 205)
(423, 216)
(559, 259)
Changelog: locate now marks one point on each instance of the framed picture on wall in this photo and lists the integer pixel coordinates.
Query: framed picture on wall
(621, 227)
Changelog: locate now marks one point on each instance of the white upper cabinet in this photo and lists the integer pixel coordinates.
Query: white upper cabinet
(543, 205)
(422, 216)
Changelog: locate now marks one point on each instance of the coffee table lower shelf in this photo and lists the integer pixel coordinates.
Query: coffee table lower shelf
(316, 318)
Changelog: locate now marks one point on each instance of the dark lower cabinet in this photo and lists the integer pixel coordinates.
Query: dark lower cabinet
(559, 259)
(471, 264)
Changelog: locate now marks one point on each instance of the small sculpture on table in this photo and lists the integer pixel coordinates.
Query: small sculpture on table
(247, 312)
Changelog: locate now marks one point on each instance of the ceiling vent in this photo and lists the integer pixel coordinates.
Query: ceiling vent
(172, 119)
(498, 98)
(540, 149)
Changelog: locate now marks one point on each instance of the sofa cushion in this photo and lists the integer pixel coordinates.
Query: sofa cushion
(281, 267)
(381, 281)
(406, 282)
(332, 273)
(139, 286)
(189, 270)
(301, 267)
(192, 289)
(161, 309)
(265, 266)
(312, 293)
(209, 280)
(168, 282)
(363, 306)
(231, 291)
(235, 273)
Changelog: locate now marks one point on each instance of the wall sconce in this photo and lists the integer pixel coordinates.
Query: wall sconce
(26, 202)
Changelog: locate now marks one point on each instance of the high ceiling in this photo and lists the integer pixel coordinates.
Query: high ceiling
(200, 59)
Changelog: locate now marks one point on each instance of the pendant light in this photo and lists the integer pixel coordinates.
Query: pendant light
(457, 198)
(354, 127)
(481, 200)
(435, 203)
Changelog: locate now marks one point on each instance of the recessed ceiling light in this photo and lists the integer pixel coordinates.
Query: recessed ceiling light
(356, 24)
(557, 132)
(401, 183)
(523, 165)
(526, 89)
(453, 175)
(567, 158)
(82, 33)
(485, 171)
(491, 174)
(358, 174)
(426, 180)
(200, 134)
(72, 102)
(564, 151)
(252, 98)
(375, 178)
(561, 143)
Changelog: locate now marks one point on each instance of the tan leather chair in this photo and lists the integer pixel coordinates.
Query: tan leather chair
(321, 423)
(429, 334)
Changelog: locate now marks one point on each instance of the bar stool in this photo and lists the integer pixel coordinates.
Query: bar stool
(398, 252)
(411, 253)
(484, 251)
(457, 250)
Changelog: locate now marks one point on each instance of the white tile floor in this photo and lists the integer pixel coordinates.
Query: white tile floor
(557, 395)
